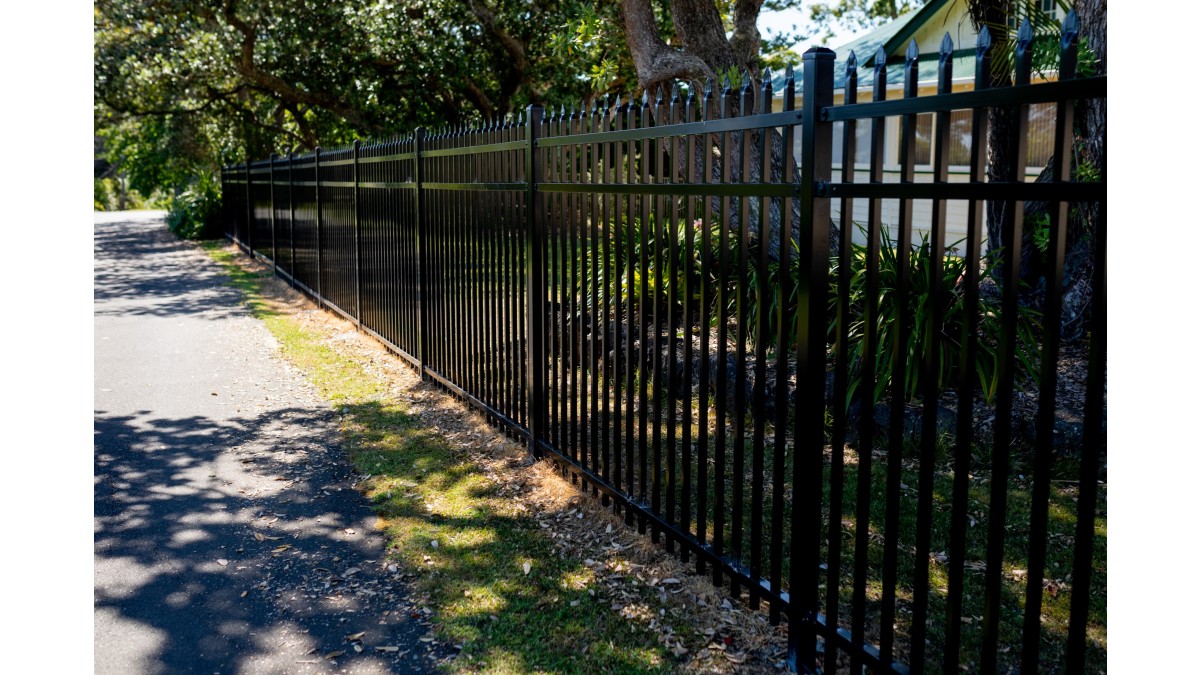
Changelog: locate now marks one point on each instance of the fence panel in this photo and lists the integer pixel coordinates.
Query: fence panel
(663, 297)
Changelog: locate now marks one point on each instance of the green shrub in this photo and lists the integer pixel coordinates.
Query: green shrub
(195, 213)
(101, 196)
(950, 329)
(702, 270)
(106, 197)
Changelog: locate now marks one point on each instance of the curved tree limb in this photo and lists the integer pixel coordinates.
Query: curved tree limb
(246, 67)
(746, 41)
(514, 47)
(653, 60)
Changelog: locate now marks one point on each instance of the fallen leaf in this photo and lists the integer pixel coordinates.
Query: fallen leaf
(281, 549)
(333, 655)
(527, 567)
(357, 648)
(434, 543)
(222, 562)
(387, 648)
(352, 571)
(258, 536)
(356, 637)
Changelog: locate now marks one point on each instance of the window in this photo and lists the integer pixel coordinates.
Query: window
(862, 142)
(960, 138)
(1041, 134)
(924, 140)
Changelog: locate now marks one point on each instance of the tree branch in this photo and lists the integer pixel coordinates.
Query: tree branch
(246, 67)
(514, 47)
(479, 99)
(653, 60)
(746, 41)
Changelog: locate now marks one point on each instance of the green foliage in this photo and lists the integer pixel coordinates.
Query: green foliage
(856, 15)
(1040, 232)
(1085, 171)
(920, 307)
(107, 197)
(176, 95)
(100, 195)
(1002, 21)
(195, 214)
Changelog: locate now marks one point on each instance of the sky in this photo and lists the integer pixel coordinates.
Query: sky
(773, 23)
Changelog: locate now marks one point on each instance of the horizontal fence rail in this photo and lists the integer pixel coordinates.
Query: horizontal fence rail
(670, 297)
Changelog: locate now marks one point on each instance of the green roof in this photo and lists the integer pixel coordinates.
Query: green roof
(893, 38)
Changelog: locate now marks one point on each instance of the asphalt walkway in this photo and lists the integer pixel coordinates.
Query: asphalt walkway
(228, 535)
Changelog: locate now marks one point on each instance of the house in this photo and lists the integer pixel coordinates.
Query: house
(927, 26)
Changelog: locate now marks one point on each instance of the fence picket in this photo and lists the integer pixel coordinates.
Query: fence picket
(610, 292)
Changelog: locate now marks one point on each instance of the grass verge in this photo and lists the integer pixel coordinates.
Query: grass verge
(517, 569)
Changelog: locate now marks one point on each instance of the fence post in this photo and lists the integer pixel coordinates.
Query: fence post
(422, 256)
(248, 244)
(317, 191)
(291, 223)
(535, 311)
(274, 242)
(816, 162)
(357, 247)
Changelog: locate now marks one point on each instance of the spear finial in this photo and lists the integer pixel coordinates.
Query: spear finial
(984, 41)
(1024, 34)
(658, 94)
(675, 91)
(790, 74)
(766, 82)
(1070, 28)
(912, 53)
(880, 59)
(851, 62)
(708, 86)
(746, 80)
(728, 87)
(947, 46)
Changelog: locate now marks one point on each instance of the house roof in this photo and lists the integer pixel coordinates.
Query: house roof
(893, 38)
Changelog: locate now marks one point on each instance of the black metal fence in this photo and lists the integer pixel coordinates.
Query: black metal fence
(648, 292)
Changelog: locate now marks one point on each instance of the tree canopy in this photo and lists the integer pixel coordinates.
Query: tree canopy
(182, 86)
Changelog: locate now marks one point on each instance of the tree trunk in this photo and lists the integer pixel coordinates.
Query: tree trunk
(1091, 122)
(708, 54)
(1081, 249)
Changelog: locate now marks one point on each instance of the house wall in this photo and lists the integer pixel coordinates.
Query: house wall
(953, 19)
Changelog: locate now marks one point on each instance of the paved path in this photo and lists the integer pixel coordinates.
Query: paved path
(211, 455)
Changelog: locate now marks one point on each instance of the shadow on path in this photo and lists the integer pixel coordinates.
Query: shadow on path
(178, 505)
